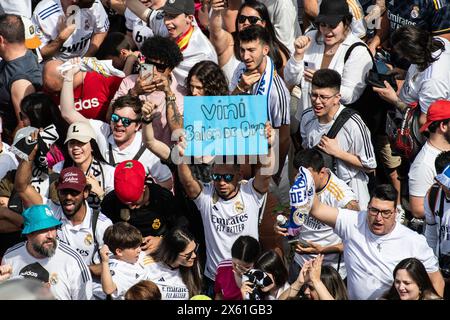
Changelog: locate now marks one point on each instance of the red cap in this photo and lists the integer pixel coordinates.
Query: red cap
(129, 180)
(438, 110)
(71, 178)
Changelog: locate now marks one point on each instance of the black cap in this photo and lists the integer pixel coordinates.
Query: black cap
(35, 271)
(176, 7)
(332, 12)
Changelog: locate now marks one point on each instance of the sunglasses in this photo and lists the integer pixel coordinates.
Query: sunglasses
(161, 67)
(125, 121)
(251, 19)
(227, 177)
(188, 255)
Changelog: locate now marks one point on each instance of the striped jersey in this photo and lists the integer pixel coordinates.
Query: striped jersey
(70, 278)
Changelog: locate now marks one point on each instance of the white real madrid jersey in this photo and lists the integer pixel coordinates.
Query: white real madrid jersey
(89, 21)
(169, 281)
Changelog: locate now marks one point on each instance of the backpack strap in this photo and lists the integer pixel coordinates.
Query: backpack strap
(136, 156)
(341, 119)
(140, 152)
(432, 196)
(353, 46)
(94, 219)
(111, 156)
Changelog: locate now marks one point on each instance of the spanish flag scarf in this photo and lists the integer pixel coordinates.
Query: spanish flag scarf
(183, 40)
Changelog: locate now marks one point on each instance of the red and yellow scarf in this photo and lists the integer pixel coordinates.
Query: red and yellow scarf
(183, 40)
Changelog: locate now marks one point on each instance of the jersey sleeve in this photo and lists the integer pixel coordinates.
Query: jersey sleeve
(345, 222)
(204, 198)
(363, 146)
(101, 18)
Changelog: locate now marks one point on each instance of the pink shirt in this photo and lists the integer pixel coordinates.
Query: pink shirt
(225, 282)
(160, 127)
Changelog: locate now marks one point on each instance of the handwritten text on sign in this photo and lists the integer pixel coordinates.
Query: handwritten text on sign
(225, 125)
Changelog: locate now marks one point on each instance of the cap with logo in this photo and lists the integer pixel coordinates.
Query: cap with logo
(438, 110)
(332, 12)
(35, 271)
(129, 181)
(80, 131)
(176, 7)
(38, 217)
(71, 178)
(32, 40)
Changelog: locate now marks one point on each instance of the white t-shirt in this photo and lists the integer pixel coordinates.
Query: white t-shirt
(354, 138)
(21, 8)
(336, 194)
(225, 220)
(422, 171)
(70, 278)
(124, 275)
(152, 164)
(371, 259)
(89, 21)
(434, 224)
(169, 281)
(137, 27)
(80, 237)
(431, 84)
(8, 160)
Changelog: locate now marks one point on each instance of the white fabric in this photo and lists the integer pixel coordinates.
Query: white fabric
(225, 220)
(229, 68)
(354, 138)
(21, 8)
(8, 161)
(337, 194)
(80, 237)
(422, 171)
(152, 164)
(103, 67)
(353, 72)
(169, 281)
(92, 20)
(434, 224)
(124, 275)
(371, 259)
(431, 84)
(198, 49)
(70, 278)
(279, 292)
(137, 27)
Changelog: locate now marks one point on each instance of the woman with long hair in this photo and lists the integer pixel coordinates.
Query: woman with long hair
(174, 267)
(411, 282)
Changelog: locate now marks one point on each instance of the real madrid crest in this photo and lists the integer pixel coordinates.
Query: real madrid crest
(156, 224)
(86, 24)
(53, 279)
(415, 12)
(88, 240)
(238, 207)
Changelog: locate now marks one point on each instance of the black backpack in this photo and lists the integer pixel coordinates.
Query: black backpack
(329, 161)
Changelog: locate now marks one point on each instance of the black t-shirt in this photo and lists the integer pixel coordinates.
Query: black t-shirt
(154, 219)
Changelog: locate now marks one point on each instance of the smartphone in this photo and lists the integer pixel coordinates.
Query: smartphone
(310, 65)
(301, 242)
(381, 66)
(146, 68)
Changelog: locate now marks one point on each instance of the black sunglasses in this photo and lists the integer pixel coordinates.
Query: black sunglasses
(188, 255)
(125, 121)
(161, 67)
(251, 19)
(227, 177)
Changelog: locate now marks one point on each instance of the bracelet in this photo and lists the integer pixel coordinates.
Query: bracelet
(171, 98)
(147, 121)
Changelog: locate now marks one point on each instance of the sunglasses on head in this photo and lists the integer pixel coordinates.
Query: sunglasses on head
(251, 19)
(125, 121)
(227, 177)
(161, 67)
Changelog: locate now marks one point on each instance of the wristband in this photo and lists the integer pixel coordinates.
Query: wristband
(171, 98)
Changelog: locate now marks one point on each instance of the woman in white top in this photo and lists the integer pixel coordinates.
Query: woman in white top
(326, 48)
(174, 267)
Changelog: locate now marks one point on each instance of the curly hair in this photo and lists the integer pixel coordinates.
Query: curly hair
(211, 76)
(162, 49)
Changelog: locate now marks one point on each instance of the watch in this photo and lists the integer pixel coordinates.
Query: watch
(171, 98)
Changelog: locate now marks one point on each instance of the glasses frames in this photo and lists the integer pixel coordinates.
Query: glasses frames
(314, 96)
(384, 213)
(251, 19)
(188, 255)
(125, 121)
(161, 67)
(227, 177)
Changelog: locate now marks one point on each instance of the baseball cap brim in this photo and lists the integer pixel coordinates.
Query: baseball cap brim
(425, 126)
(84, 139)
(72, 186)
(328, 19)
(171, 10)
(49, 222)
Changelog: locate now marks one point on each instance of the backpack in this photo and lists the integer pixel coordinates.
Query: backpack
(403, 132)
(342, 118)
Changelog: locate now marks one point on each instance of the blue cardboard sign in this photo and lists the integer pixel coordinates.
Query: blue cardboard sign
(225, 125)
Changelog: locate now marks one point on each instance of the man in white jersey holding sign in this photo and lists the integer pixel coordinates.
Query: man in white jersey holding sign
(70, 28)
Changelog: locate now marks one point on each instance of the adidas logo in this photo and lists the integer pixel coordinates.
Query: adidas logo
(162, 279)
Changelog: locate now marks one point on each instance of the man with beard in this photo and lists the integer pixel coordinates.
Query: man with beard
(82, 228)
(69, 276)
(422, 171)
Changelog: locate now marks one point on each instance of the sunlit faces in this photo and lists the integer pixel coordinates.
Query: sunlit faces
(251, 15)
(71, 201)
(43, 242)
(177, 25)
(196, 86)
(241, 267)
(80, 152)
(323, 100)
(333, 34)
(406, 287)
(381, 216)
(225, 189)
(187, 257)
(121, 133)
(310, 292)
(253, 54)
(130, 255)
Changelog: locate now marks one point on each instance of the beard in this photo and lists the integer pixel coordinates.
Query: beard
(447, 136)
(71, 213)
(45, 251)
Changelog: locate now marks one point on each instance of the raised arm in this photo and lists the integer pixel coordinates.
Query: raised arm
(191, 186)
(267, 166)
(159, 148)
(139, 9)
(108, 285)
(323, 212)
(96, 41)
(221, 39)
